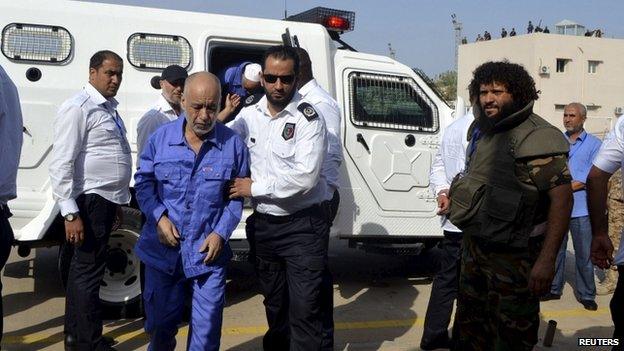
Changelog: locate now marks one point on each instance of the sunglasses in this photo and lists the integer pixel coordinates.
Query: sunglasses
(271, 78)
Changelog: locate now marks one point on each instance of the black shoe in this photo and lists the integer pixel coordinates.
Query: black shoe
(589, 305)
(550, 296)
(70, 341)
(441, 342)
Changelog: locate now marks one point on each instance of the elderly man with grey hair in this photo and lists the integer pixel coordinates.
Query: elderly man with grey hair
(181, 187)
(583, 149)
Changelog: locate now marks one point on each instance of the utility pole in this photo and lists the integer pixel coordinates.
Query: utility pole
(391, 50)
(457, 27)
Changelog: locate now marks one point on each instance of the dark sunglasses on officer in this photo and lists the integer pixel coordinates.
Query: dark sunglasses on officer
(272, 78)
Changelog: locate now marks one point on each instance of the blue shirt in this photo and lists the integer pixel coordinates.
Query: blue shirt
(582, 153)
(193, 190)
(10, 137)
(232, 79)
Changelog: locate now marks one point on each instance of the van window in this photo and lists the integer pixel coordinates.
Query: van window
(390, 102)
(34, 42)
(157, 51)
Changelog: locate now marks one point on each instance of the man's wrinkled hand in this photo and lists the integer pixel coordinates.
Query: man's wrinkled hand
(541, 277)
(212, 246)
(74, 231)
(167, 232)
(240, 187)
(601, 251)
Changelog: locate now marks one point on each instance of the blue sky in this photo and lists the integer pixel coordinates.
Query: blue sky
(420, 30)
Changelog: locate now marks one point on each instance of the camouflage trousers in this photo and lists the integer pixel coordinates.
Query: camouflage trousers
(495, 309)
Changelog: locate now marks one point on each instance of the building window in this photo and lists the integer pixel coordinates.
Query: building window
(559, 107)
(390, 102)
(561, 64)
(592, 66)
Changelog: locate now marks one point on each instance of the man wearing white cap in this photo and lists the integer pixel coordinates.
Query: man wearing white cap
(238, 82)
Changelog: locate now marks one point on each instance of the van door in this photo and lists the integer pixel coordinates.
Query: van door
(391, 129)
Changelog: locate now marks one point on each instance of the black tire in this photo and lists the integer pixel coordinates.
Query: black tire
(123, 277)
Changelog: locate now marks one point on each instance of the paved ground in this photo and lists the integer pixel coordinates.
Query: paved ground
(380, 303)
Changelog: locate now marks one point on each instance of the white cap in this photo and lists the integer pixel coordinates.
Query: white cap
(252, 72)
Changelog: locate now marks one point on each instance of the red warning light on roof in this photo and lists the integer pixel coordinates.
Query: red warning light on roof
(337, 22)
(332, 19)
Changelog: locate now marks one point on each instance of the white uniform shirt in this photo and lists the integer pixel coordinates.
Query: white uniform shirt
(286, 155)
(450, 160)
(609, 159)
(10, 137)
(330, 111)
(161, 113)
(91, 153)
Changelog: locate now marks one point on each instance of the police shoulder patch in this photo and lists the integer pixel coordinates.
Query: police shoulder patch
(252, 99)
(289, 131)
(308, 111)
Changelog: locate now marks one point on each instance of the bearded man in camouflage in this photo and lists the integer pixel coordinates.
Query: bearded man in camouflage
(513, 203)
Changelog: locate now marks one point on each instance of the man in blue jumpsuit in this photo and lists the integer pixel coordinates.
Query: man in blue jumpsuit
(181, 187)
(238, 82)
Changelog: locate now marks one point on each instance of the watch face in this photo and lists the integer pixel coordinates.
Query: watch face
(70, 217)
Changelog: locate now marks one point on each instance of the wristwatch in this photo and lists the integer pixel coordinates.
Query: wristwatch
(70, 217)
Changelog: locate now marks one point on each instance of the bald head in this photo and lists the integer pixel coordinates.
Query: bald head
(305, 67)
(203, 80)
(201, 102)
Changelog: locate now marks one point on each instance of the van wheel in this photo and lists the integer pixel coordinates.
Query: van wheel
(121, 285)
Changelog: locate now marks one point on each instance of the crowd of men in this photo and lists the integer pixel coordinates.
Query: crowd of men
(508, 185)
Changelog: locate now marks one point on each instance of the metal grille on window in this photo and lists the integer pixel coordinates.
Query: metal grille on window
(33, 42)
(390, 102)
(158, 51)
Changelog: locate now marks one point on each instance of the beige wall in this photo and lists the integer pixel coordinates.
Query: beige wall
(602, 92)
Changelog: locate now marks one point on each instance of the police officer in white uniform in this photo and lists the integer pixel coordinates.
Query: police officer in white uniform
(90, 176)
(328, 108)
(288, 231)
(167, 107)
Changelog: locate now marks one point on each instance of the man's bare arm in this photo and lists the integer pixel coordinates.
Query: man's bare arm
(559, 213)
(597, 190)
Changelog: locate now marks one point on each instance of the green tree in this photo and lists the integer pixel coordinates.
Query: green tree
(446, 83)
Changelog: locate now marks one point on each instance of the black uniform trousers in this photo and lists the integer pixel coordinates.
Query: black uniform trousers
(290, 257)
(327, 288)
(82, 304)
(443, 289)
(6, 240)
(617, 309)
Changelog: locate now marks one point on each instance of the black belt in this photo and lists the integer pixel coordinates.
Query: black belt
(314, 209)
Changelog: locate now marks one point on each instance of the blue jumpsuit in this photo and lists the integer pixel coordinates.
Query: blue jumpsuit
(192, 190)
(232, 79)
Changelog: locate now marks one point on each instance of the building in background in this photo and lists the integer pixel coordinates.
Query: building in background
(566, 68)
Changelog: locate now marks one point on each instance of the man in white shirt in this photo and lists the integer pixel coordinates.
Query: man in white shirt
(449, 161)
(167, 108)
(90, 175)
(288, 231)
(609, 159)
(11, 138)
(328, 108)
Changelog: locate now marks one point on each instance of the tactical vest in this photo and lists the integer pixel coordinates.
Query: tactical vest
(487, 199)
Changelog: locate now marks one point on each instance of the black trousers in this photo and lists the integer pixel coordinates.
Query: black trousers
(443, 289)
(327, 288)
(82, 304)
(6, 240)
(617, 309)
(290, 256)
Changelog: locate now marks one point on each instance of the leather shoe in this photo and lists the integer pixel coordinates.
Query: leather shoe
(550, 296)
(589, 305)
(441, 342)
(70, 341)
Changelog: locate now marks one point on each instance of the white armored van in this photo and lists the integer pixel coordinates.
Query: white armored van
(391, 117)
